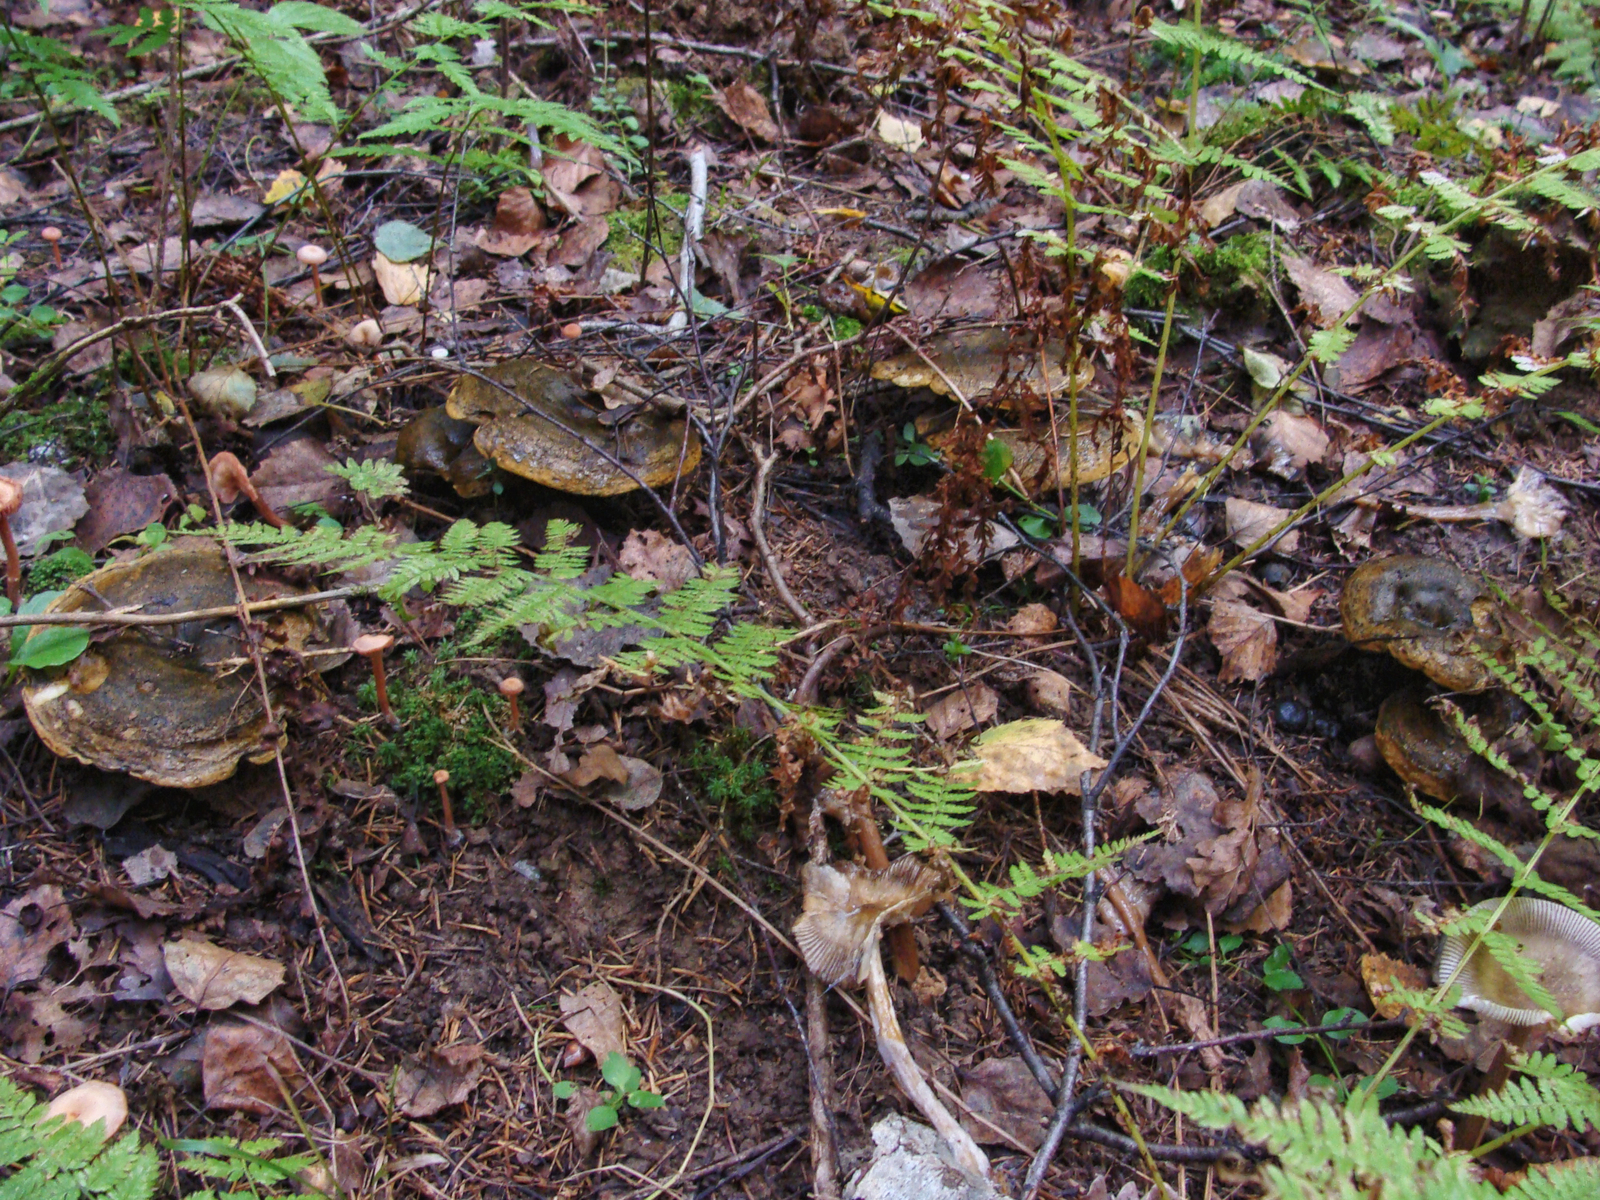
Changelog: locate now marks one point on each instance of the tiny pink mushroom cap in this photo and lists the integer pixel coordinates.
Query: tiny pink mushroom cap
(311, 256)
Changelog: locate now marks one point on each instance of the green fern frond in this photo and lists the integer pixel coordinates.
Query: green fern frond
(1230, 50)
(1551, 1093)
(1576, 1179)
(62, 1160)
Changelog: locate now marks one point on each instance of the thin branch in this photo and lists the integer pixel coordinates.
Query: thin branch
(126, 617)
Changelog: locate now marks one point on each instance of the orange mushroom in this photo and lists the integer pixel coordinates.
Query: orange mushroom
(230, 480)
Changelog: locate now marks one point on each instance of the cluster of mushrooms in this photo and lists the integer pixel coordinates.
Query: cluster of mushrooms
(1437, 620)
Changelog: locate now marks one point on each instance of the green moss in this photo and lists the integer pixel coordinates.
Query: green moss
(68, 432)
(630, 223)
(55, 571)
(443, 725)
(1218, 273)
(735, 774)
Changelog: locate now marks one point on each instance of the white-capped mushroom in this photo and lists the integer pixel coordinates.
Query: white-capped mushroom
(313, 257)
(365, 335)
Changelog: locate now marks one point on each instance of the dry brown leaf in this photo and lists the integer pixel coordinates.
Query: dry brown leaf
(650, 554)
(579, 242)
(402, 284)
(31, 926)
(1035, 754)
(1246, 638)
(594, 1016)
(519, 224)
(430, 1083)
(1247, 521)
(241, 1065)
(1272, 915)
(965, 708)
(598, 762)
(1050, 692)
(747, 108)
(1006, 1095)
(211, 977)
(1191, 1013)
(1032, 618)
(568, 165)
(1141, 608)
(1285, 443)
(1327, 296)
(1381, 973)
(1253, 198)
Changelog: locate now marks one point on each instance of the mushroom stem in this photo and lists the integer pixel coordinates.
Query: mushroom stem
(452, 835)
(964, 1151)
(231, 480)
(902, 939)
(52, 235)
(511, 687)
(10, 501)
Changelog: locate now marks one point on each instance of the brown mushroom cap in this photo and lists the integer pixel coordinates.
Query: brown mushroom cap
(1427, 613)
(10, 496)
(441, 776)
(372, 643)
(311, 256)
(846, 906)
(50, 234)
(229, 479)
(524, 417)
(512, 685)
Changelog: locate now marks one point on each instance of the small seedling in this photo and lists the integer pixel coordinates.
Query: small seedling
(1199, 945)
(1276, 972)
(910, 450)
(955, 649)
(997, 459)
(624, 1079)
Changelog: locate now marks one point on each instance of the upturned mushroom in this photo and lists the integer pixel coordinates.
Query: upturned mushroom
(230, 480)
(1562, 947)
(1428, 614)
(91, 1102)
(10, 501)
(846, 910)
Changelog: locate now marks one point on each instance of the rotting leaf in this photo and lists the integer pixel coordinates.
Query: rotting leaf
(964, 708)
(1327, 296)
(211, 977)
(1287, 444)
(31, 926)
(1006, 1095)
(747, 108)
(1247, 521)
(1136, 604)
(519, 224)
(1034, 754)
(594, 1016)
(651, 554)
(430, 1083)
(241, 1065)
(1247, 639)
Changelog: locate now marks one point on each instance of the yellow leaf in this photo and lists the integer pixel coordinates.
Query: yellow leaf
(402, 283)
(1033, 755)
(876, 300)
(284, 187)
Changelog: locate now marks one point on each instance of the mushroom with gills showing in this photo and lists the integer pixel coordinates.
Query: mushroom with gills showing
(846, 910)
(10, 501)
(1559, 943)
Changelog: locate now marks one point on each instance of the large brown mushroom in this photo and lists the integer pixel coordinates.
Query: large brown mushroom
(546, 425)
(1427, 613)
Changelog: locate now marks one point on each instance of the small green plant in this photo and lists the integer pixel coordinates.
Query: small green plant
(911, 450)
(733, 775)
(55, 571)
(626, 1092)
(252, 1169)
(375, 479)
(1198, 945)
(1276, 972)
(955, 649)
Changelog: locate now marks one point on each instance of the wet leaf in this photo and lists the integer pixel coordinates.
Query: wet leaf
(1247, 639)
(747, 108)
(401, 242)
(1006, 1095)
(31, 926)
(650, 554)
(964, 708)
(1248, 521)
(1035, 754)
(432, 1082)
(594, 1016)
(241, 1065)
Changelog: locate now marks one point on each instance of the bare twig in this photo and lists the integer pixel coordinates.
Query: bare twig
(119, 617)
(764, 465)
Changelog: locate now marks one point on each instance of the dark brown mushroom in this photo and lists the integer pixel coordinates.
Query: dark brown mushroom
(230, 480)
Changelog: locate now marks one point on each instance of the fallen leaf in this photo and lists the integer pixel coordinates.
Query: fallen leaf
(916, 518)
(31, 926)
(1272, 915)
(1327, 296)
(965, 708)
(1255, 198)
(222, 208)
(519, 223)
(37, 1024)
(584, 1101)
(150, 865)
(747, 108)
(227, 392)
(1005, 1094)
(1286, 443)
(1191, 1013)
(1246, 638)
(1246, 521)
(898, 134)
(1381, 973)
(1141, 608)
(431, 1082)
(288, 183)
(402, 284)
(579, 242)
(1034, 754)
(296, 472)
(598, 762)
(567, 165)
(594, 1016)
(120, 502)
(525, 791)
(650, 554)
(1033, 618)
(1050, 692)
(211, 977)
(52, 502)
(241, 1065)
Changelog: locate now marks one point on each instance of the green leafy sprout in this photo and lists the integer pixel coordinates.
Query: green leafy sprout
(624, 1079)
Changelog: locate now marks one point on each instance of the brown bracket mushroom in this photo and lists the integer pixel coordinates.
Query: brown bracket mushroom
(10, 501)
(230, 480)
(847, 909)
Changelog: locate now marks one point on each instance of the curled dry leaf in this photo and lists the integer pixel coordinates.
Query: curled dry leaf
(747, 108)
(402, 284)
(211, 977)
(1381, 974)
(1287, 443)
(594, 1016)
(1247, 639)
(1327, 296)
(432, 1082)
(518, 224)
(965, 708)
(1033, 755)
(31, 926)
(650, 554)
(629, 783)
(1247, 521)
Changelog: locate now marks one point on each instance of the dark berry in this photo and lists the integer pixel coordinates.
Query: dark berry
(1291, 716)
(1324, 726)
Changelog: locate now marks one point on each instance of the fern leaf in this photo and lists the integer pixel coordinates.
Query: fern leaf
(1551, 1093)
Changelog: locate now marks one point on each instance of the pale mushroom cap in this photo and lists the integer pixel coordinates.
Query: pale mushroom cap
(1562, 943)
(91, 1102)
(312, 256)
(372, 643)
(50, 233)
(10, 496)
(512, 685)
(365, 334)
(847, 905)
(441, 776)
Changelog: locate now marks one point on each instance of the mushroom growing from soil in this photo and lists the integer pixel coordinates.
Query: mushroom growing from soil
(365, 335)
(512, 687)
(313, 257)
(1429, 614)
(1427, 751)
(53, 235)
(846, 911)
(91, 1102)
(371, 647)
(10, 501)
(1562, 944)
(452, 835)
(230, 480)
